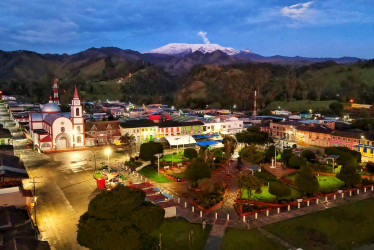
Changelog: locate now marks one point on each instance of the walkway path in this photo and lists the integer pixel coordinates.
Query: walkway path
(275, 238)
(216, 235)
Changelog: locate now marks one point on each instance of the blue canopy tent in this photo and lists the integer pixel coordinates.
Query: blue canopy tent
(206, 143)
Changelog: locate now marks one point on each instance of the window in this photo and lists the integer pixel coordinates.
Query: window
(354, 140)
(349, 140)
(338, 138)
(77, 111)
(78, 129)
(333, 137)
(343, 139)
(62, 129)
(79, 139)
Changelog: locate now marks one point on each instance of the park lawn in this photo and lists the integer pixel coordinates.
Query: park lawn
(150, 172)
(301, 105)
(175, 231)
(344, 227)
(175, 158)
(236, 238)
(327, 183)
(265, 196)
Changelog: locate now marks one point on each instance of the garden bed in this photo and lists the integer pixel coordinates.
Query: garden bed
(207, 209)
(133, 164)
(174, 173)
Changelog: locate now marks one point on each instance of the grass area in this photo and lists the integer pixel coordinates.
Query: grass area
(174, 158)
(327, 183)
(111, 90)
(236, 238)
(175, 234)
(298, 106)
(151, 173)
(343, 227)
(265, 196)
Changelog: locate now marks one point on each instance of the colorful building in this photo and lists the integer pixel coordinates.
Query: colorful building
(349, 139)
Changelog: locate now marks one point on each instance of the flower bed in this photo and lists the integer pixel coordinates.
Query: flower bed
(174, 173)
(212, 204)
(133, 164)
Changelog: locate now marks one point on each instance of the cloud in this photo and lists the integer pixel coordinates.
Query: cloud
(297, 11)
(203, 36)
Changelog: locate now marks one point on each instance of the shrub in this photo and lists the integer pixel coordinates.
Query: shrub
(308, 155)
(320, 168)
(370, 167)
(344, 154)
(296, 162)
(348, 174)
(306, 181)
(149, 149)
(279, 190)
(190, 153)
(197, 170)
(286, 156)
(366, 182)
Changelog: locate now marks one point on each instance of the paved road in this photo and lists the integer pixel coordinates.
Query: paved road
(65, 187)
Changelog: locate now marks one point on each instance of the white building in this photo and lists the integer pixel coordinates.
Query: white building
(51, 129)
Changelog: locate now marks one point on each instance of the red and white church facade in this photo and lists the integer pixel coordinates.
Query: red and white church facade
(52, 129)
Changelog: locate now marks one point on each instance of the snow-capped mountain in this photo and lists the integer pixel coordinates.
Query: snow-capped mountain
(185, 48)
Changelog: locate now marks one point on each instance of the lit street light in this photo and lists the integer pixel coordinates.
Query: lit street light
(108, 151)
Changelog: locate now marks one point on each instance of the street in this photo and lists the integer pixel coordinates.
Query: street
(65, 187)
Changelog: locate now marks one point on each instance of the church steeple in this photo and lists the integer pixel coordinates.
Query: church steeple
(55, 91)
(76, 96)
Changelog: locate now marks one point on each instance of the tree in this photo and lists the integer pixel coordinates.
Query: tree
(229, 145)
(306, 181)
(252, 155)
(297, 162)
(308, 155)
(250, 183)
(128, 143)
(190, 153)
(253, 135)
(336, 108)
(197, 170)
(370, 167)
(149, 149)
(117, 218)
(270, 153)
(348, 174)
(286, 156)
(279, 190)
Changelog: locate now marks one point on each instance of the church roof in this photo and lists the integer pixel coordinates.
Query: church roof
(50, 108)
(52, 117)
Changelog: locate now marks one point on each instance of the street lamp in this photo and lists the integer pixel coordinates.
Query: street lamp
(108, 151)
(158, 163)
(177, 143)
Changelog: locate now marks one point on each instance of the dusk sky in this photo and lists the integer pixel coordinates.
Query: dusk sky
(319, 28)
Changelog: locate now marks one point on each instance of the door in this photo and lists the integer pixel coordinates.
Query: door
(62, 143)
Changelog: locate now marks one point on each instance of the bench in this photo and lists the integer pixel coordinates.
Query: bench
(166, 167)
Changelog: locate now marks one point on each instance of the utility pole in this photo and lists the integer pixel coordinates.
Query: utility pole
(34, 197)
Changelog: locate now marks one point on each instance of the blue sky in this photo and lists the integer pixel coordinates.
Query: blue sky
(319, 28)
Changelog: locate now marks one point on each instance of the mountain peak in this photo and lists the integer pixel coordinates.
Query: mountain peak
(185, 48)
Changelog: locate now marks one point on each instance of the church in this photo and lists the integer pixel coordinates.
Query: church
(52, 129)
